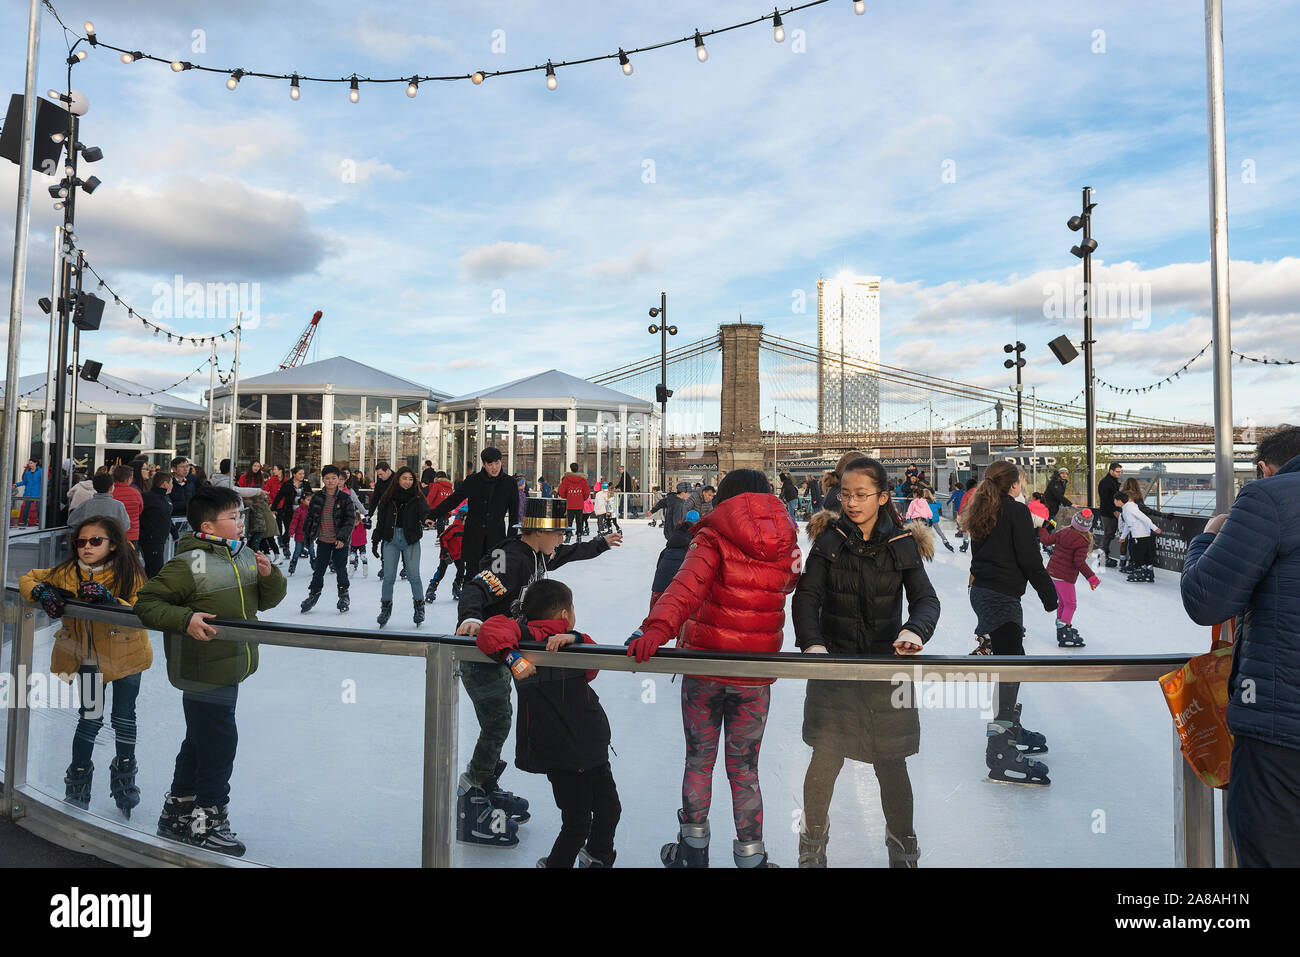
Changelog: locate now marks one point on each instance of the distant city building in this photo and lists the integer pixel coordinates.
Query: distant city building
(848, 334)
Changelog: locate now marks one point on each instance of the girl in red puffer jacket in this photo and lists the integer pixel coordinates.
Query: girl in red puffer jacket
(729, 595)
(1070, 548)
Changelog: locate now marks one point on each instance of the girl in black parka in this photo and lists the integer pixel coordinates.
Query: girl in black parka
(849, 601)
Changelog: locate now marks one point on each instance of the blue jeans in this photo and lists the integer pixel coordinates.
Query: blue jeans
(790, 507)
(304, 548)
(410, 557)
(94, 689)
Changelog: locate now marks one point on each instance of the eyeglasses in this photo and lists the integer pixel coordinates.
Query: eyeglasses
(857, 496)
(94, 541)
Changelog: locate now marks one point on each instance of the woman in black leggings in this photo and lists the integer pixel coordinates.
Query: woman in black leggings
(1004, 558)
(862, 565)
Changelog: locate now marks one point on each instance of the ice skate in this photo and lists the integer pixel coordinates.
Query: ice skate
(478, 822)
(903, 852)
(77, 785)
(344, 602)
(749, 854)
(514, 806)
(965, 545)
(812, 845)
(174, 822)
(385, 612)
(293, 566)
(417, 615)
(691, 848)
(431, 593)
(309, 602)
(456, 586)
(1067, 636)
(1029, 742)
(1006, 763)
(365, 569)
(210, 830)
(122, 786)
(586, 860)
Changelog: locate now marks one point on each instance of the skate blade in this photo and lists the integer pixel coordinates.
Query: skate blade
(1030, 753)
(1038, 783)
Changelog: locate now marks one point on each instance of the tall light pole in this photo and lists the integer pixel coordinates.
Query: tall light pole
(1017, 363)
(662, 392)
(1084, 251)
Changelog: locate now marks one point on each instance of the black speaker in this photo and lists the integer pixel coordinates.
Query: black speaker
(1063, 349)
(87, 313)
(50, 119)
(90, 370)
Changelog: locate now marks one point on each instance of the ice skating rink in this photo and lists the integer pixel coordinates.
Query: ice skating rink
(329, 765)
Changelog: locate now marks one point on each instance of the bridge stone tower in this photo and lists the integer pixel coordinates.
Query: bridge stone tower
(740, 440)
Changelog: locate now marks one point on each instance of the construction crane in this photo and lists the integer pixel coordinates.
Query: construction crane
(299, 351)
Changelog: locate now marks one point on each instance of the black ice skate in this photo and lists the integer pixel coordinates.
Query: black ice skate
(309, 602)
(344, 602)
(431, 593)
(586, 860)
(385, 611)
(812, 845)
(122, 786)
(1006, 764)
(77, 785)
(691, 848)
(903, 852)
(1029, 742)
(174, 822)
(417, 615)
(210, 830)
(514, 806)
(1067, 636)
(749, 854)
(478, 822)
(456, 587)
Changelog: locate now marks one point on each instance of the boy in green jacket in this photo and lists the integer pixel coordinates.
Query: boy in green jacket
(215, 574)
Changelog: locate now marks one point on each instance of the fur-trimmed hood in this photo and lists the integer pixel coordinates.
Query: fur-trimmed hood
(921, 533)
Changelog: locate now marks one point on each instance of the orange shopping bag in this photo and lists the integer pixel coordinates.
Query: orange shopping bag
(1197, 695)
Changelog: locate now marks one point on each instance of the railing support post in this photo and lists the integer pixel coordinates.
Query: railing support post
(1193, 814)
(23, 617)
(440, 710)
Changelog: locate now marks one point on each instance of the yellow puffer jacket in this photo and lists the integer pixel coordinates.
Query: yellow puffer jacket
(116, 650)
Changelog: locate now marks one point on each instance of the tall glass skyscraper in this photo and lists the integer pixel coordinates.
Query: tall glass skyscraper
(848, 334)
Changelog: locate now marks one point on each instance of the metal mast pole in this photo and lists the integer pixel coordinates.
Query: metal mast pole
(234, 402)
(929, 419)
(663, 378)
(54, 478)
(51, 374)
(1035, 452)
(72, 386)
(1090, 404)
(212, 384)
(17, 290)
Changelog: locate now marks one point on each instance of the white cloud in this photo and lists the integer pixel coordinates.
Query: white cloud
(501, 259)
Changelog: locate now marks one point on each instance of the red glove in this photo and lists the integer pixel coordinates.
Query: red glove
(1093, 583)
(643, 647)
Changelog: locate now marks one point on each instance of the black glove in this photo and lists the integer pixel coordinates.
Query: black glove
(95, 593)
(49, 598)
(366, 524)
(374, 549)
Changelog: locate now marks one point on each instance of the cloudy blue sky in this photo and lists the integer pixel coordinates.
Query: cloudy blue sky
(940, 145)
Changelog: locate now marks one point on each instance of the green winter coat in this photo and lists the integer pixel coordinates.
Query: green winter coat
(203, 577)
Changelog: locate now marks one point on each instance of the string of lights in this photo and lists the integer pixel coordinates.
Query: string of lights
(623, 56)
(157, 329)
(224, 378)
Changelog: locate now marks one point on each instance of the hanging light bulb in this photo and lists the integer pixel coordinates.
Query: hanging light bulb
(81, 54)
(701, 53)
(624, 62)
(56, 137)
(127, 58)
(413, 87)
(233, 81)
(859, 7)
(294, 90)
(89, 28)
(58, 205)
(551, 82)
(477, 78)
(778, 30)
(179, 66)
(354, 91)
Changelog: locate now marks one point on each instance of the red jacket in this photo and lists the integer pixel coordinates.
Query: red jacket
(1037, 507)
(247, 480)
(500, 634)
(133, 502)
(270, 486)
(729, 594)
(295, 523)
(1069, 553)
(437, 492)
(451, 539)
(573, 488)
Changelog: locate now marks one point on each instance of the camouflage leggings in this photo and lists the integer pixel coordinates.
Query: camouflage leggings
(708, 707)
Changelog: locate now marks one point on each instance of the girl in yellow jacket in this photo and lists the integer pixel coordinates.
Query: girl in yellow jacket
(103, 569)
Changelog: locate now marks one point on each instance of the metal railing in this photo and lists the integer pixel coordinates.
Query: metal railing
(61, 823)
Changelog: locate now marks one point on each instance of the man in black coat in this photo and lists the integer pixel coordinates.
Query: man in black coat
(1054, 496)
(182, 490)
(1106, 490)
(493, 498)
(156, 523)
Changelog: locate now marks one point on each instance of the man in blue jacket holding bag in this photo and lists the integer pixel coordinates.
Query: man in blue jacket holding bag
(1247, 564)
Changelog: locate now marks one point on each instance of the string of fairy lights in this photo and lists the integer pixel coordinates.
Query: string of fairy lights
(157, 329)
(1241, 357)
(477, 77)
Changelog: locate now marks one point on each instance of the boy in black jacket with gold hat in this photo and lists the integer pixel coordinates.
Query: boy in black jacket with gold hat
(497, 588)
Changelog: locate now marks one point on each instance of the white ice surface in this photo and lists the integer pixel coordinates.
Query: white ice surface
(320, 781)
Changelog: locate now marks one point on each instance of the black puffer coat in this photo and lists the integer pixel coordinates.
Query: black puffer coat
(345, 516)
(405, 509)
(850, 599)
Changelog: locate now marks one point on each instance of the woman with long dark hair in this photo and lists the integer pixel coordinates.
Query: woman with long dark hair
(862, 566)
(729, 595)
(1005, 558)
(399, 525)
(285, 501)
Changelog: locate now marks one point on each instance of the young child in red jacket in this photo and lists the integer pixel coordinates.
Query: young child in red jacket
(1070, 548)
(449, 554)
(301, 547)
(562, 731)
(728, 595)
